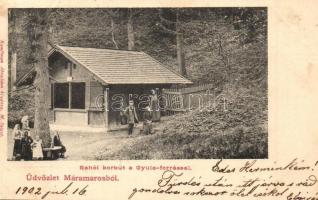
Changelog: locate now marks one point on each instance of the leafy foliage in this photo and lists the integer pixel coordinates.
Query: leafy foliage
(21, 103)
(218, 42)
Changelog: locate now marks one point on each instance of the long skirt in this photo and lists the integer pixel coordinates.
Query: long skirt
(17, 148)
(26, 152)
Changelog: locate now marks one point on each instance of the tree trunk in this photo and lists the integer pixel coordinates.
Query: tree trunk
(180, 51)
(180, 54)
(112, 23)
(112, 14)
(38, 33)
(13, 71)
(130, 31)
(12, 50)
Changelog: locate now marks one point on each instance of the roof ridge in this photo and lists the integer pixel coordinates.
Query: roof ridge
(91, 48)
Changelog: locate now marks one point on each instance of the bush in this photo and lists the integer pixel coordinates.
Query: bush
(21, 103)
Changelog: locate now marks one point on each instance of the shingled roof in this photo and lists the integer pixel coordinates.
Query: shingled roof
(122, 67)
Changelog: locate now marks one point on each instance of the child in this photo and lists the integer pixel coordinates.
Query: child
(17, 135)
(37, 148)
(147, 117)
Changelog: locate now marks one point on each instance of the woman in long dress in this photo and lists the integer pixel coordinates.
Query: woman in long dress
(154, 106)
(26, 149)
(37, 148)
(17, 135)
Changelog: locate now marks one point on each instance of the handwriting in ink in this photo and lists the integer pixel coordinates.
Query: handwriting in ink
(44, 193)
(256, 181)
(168, 179)
(294, 165)
(222, 169)
(220, 183)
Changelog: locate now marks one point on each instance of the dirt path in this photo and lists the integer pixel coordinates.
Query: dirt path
(86, 146)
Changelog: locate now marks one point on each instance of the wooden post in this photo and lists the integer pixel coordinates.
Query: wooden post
(87, 100)
(69, 95)
(53, 100)
(106, 102)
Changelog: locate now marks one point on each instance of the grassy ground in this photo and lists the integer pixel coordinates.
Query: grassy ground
(239, 131)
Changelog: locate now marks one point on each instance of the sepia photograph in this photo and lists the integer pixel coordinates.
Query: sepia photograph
(137, 83)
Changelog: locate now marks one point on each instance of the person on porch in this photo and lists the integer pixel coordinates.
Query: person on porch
(154, 106)
(132, 118)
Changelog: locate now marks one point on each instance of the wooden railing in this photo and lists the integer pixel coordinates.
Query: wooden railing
(183, 99)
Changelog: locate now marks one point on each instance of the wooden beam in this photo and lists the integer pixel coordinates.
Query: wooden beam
(106, 106)
(87, 100)
(69, 95)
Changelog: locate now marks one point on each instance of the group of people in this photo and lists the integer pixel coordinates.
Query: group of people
(25, 147)
(150, 114)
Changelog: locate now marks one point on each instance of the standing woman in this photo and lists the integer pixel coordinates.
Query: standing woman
(26, 149)
(17, 135)
(26, 141)
(154, 106)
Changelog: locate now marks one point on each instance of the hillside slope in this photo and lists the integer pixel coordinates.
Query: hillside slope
(240, 131)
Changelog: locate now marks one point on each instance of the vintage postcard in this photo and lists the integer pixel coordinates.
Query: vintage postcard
(159, 100)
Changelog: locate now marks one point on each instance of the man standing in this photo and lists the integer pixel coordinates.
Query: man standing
(132, 118)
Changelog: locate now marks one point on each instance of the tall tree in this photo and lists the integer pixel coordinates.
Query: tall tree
(12, 49)
(180, 51)
(113, 13)
(177, 31)
(130, 30)
(38, 35)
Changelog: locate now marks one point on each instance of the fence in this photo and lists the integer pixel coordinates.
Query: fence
(184, 99)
